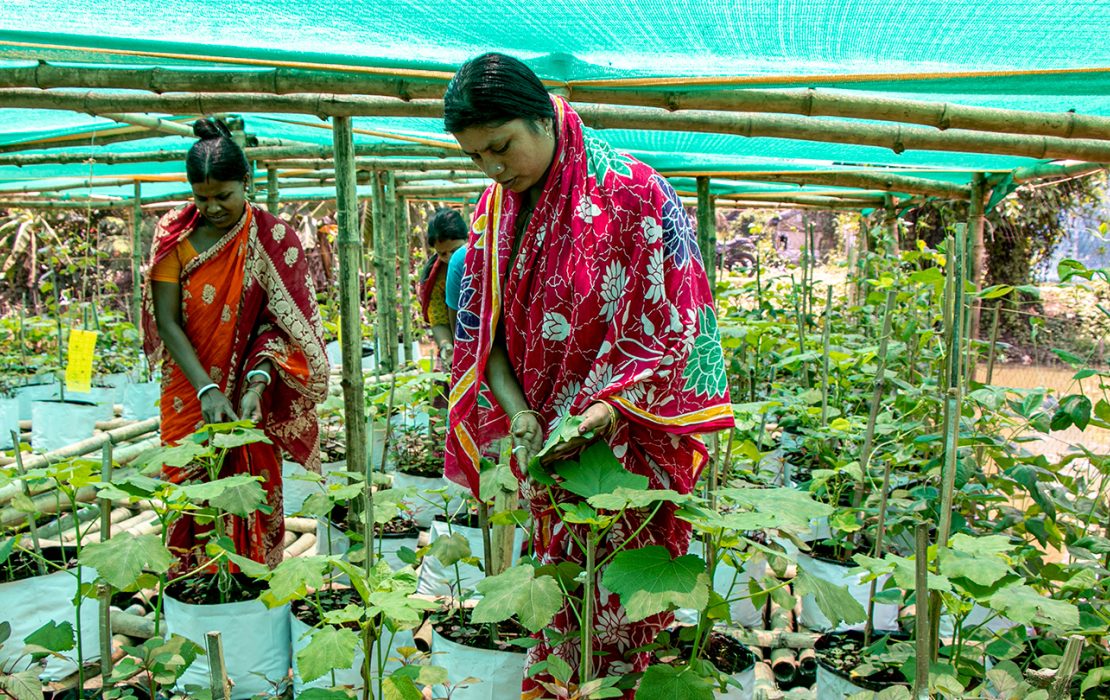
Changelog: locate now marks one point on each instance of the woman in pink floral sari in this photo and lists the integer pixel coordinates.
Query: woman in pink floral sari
(585, 295)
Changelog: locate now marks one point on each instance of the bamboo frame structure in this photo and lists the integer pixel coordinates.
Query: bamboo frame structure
(406, 85)
(707, 233)
(894, 137)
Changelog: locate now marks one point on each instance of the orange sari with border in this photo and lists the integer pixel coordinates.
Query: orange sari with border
(248, 298)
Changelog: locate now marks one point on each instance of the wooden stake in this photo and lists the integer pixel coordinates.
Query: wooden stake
(876, 398)
(921, 618)
(217, 671)
(707, 233)
(1069, 665)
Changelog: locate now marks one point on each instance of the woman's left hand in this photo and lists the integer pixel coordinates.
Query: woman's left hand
(250, 406)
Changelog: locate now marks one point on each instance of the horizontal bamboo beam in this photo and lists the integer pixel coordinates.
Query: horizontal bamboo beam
(748, 204)
(403, 176)
(875, 180)
(71, 184)
(822, 103)
(427, 190)
(320, 153)
(321, 104)
(895, 138)
(1053, 170)
(808, 102)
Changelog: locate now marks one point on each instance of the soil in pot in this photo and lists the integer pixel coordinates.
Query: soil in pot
(23, 564)
(306, 610)
(477, 636)
(204, 589)
(843, 653)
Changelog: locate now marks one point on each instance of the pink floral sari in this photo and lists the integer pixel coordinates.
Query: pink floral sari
(606, 301)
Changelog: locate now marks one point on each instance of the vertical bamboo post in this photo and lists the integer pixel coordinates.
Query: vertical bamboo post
(217, 670)
(825, 347)
(393, 227)
(890, 221)
(1059, 690)
(921, 619)
(18, 452)
(137, 258)
(405, 242)
(349, 243)
(707, 232)
(272, 192)
(953, 396)
(994, 342)
(976, 218)
(876, 398)
(103, 590)
(384, 266)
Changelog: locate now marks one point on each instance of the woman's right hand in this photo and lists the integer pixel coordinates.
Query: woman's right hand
(215, 408)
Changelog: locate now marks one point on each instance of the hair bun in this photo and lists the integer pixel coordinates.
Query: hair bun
(209, 128)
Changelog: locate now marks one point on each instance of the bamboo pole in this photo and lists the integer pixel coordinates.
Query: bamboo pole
(103, 590)
(825, 348)
(392, 229)
(1069, 665)
(272, 189)
(73, 184)
(321, 167)
(871, 180)
(31, 524)
(404, 240)
(137, 258)
(1050, 170)
(436, 190)
(978, 253)
(322, 153)
(876, 399)
(217, 670)
(707, 233)
(895, 137)
(921, 617)
(349, 244)
(353, 81)
(890, 222)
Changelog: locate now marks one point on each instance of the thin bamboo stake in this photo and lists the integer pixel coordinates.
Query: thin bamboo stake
(1050, 170)
(825, 348)
(349, 243)
(978, 253)
(1069, 665)
(707, 233)
(404, 241)
(217, 670)
(393, 242)
(103, 590)
(994, 342)
(868, 180)
(137, 258)
(921, 618)
(876, 399)
(272, 189)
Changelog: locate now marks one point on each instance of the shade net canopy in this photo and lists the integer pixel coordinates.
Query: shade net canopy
(1048, 56)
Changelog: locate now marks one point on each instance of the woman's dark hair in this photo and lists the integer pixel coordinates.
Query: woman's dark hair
(446, 225)
(215, 156)
(493, 89)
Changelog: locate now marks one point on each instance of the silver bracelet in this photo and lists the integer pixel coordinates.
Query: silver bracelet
(260, 372)
(205, 388)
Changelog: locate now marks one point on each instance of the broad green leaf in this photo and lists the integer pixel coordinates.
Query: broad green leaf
(121, 559)
(6, 549)
(24, 685)
(1095, 678)
(566, 431)
(996, 291)
(324, 694)
(317, 504)
(1023, 604)
(52, 637)
(597, 471)
(518, 591)
(903, 571)
(624, 497)
(397, 687)
(834, 602)
(239, 437)
(247, 565)
(840, 424)
(330, 648)
(400, 607)
(450, 549)
(293, 577)
(649, 581)
(980, 559)
(242, 499)
(665, 682)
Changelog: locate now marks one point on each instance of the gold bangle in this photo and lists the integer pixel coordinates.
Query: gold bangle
(613, 416)
(518, 414)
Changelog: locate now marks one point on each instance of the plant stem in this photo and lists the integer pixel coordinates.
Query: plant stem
(31, 524)
(825, 343)
(585, 668)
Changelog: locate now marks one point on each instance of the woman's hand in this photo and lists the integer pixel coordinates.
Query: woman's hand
(250, 406)
(527, 434)
(598, 418)
(215, 408)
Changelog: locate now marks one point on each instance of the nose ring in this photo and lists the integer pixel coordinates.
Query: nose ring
(498, 168)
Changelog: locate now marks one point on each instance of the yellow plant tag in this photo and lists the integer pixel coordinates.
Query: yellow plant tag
(82, 347)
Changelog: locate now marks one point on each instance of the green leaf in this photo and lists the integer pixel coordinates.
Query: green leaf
(649, 581)
(980, 559)
(52, 636)
(329, 648)
(242, 499)
(664, 682)
(518, 591)
(624, 497)
(324, 694)
(565, 432)
(450, 549)
(397, 687)
(399, 607)
(834, 602)
(840, 424)
(24, 685)
(996, 291)
(1078, 409)
(1025, 605)
(238, 437)
(597, 471)
(293, 577)
(1095, 677)
(123, 558)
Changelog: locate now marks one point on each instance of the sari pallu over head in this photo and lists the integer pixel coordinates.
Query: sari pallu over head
(249, 297)
(606, 300)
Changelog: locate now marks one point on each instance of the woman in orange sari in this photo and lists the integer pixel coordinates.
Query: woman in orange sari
(230, 300)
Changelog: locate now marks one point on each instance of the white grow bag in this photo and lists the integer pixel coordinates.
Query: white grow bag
(885, 616)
